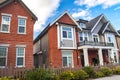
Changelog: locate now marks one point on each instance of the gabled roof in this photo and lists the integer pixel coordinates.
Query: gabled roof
(47, 28)
(66, 12)
(6, 2)
(104, 26)
(92, 23)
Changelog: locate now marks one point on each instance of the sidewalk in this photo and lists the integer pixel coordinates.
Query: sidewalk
(114, 77)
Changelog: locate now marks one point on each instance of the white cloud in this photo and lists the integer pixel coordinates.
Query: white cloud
(117, 8)
(43, 9)
(92, 3)
(80, 13)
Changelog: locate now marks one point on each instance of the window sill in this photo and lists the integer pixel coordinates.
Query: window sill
(2, 66)
(22, 33)
(20, 67)
(5, 32)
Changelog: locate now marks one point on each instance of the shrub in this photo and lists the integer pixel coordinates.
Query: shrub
(99, 74)
(40, 74)
(80, 75)
(117, 70)
(90, 71)
(106, 71)
(67, 75)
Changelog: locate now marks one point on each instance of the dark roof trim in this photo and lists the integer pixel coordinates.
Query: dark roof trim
(21, 2)
(42, 33)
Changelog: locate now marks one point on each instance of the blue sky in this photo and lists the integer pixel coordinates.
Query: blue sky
(49, 10)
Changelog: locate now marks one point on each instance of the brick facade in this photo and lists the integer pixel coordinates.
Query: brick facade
(13, 38)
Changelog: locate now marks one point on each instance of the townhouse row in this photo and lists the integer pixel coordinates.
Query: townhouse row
(65, 42)
(76, 43)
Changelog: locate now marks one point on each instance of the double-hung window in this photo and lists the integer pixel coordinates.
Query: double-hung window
(22, 25)
(67, 32)
(110, 38)
(5, 25)
(83, 36)
(67, 59)
(20, 54)
(95, 38)
(3, 56)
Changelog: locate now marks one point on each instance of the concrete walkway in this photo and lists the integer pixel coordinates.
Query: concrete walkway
(114, 77)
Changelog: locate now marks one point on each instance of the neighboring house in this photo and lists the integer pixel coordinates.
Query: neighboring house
(118, 42)
(16, 34)
(69, 43)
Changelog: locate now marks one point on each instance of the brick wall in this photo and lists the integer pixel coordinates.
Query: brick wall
(13, 38)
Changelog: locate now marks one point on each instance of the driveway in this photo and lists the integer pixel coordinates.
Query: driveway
(114, 77)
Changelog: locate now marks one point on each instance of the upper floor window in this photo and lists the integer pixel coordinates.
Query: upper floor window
(83, 36)
(67, 32)
(3, 56)
(110, 38)
(95, 38)
(21, 25)
(20, 56)
(82, 25)
(5, 25)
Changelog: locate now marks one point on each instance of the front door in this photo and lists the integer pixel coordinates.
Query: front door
(82, 60)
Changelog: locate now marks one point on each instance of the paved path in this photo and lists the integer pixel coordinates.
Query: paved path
(114, 77)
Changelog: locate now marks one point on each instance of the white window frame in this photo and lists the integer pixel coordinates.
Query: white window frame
(8, 15)
(83, 36)
(6, 46)
(111, 36)
(22, 17)
(20, 46)
(69, 55)
(65, 26)
(96, 35)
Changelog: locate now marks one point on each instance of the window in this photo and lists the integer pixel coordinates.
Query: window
(82, 25)
(3, 56)
(115, 57)
(83, 36)
(20, 56)
(110, 38)
(67, 32)
(95, 38)
(67, 59)
(5, 26)
(22, 25)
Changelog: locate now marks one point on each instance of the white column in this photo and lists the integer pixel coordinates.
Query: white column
(100, 56)
(86, 61)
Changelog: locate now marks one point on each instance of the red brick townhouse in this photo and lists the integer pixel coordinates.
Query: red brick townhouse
(69, 43)
(16, 34)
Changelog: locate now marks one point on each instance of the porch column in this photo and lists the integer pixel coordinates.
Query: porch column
(86, 61)
(100, 56)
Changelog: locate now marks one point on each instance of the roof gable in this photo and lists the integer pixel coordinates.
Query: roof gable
(67, 19)
(6, 2)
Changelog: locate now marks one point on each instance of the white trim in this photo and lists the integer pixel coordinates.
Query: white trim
(74, 35)
(5, 57)
(6, 24)
(105, 27)
(19, 57)
(66, 12)
(5, 14)
(69, 55)
(58, 34)
(22, 26)
(22, 16)
(69, 48)
(5, 45)
(96, 47)
(97, 23)
(97, 36)
(21, 46)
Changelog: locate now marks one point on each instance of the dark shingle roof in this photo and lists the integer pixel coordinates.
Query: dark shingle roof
(119, 31)
(103, 27)
(92, 22)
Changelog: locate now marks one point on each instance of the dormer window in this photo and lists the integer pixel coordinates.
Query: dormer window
(82, 25)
